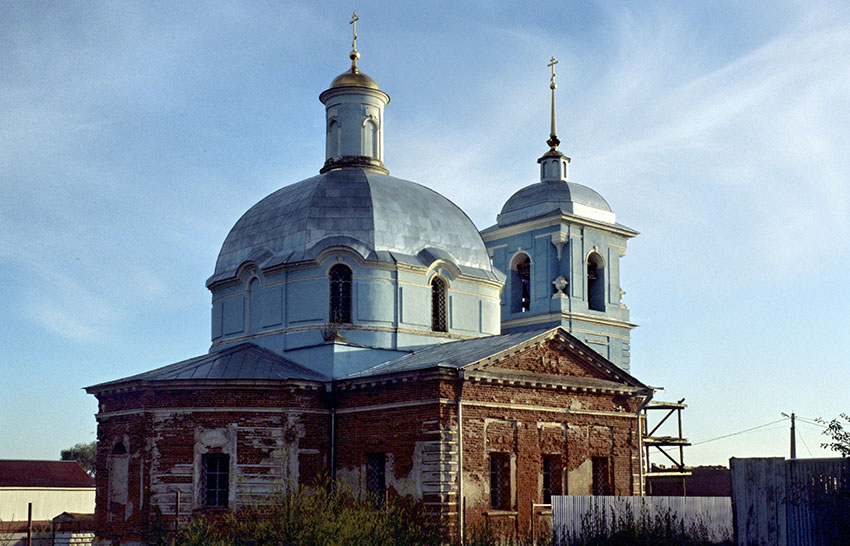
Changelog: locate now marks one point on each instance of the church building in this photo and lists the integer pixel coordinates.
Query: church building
(365, 330)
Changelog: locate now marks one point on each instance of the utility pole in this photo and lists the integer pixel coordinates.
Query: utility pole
(793, 435)
(793, 438)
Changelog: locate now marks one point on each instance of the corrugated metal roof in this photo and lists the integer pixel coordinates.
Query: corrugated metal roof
(24, 473)
(455, 354)
(245, 361)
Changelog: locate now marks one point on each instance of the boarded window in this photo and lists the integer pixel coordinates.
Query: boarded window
(376, 478)
(439, 307)
(500, 481)
(216, 479)
(602, 476)
(118, 467)
(340, 294)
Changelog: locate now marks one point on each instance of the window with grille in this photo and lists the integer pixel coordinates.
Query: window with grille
(439, 306)
(551, 478)
(340, 294)
(595, 282)
(521, 285)
(216, 478)
(500, 481)
(376, 480)
(602, 476)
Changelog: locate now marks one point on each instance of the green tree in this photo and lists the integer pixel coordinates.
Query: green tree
(839, 433)
(83, 453)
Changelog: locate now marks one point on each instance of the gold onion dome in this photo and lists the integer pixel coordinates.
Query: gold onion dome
(354, 78)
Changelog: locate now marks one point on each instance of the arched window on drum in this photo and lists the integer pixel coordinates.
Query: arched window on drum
(339, 284)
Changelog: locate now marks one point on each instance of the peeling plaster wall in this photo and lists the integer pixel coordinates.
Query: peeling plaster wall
(267, 445)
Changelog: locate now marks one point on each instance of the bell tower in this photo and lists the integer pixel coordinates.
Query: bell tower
(560, 246)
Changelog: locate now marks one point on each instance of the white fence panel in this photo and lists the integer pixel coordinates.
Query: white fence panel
(713, 514)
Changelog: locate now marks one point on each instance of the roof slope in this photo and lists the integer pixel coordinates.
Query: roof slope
(245, 361)
(455, 354)
(475, 354)
(25, 473)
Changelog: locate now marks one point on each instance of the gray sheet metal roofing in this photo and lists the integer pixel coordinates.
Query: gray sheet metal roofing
(458, 354)
(244, 361)
(381, 217)
(543, 198)
(455, 354)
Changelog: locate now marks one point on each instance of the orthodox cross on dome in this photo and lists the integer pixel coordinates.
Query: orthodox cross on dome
(553, 134)
(354, 55)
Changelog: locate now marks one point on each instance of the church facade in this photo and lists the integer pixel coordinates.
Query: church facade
(363, 329)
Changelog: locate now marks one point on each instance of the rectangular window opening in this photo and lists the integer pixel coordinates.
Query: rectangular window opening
(216, 479)
(551, 477)
(376, 478)
(602, 476)
(500, 481)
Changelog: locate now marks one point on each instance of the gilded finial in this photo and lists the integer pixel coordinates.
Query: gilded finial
(553, 134)
(354, 55)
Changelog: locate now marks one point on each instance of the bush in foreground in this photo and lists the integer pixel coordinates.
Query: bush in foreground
(310, 516)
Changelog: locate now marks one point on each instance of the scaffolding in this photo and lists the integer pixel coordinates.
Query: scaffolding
(662, 443)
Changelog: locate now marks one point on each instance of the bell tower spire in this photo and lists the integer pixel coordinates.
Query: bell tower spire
(553, 133)
(554, 166)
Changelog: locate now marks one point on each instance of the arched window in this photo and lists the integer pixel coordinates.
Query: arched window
(595, 282)
(521, 284)
(370, 138)
(439, 305)
(254, 305)
(340, 294)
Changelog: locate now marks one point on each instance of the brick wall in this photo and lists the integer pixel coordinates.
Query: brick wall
(280, 434)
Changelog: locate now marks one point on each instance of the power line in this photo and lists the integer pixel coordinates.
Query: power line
(804, 443)
(811, 421)
(739, 432)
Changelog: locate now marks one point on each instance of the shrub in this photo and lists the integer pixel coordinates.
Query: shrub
(310, 516)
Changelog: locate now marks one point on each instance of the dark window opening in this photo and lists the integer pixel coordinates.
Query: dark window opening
(551, 478)
(595, 283)
(500, 481)
(119, 449)
(340, 294)
(216, 478)
(376, 478)
(521, 289)
(602, 476)
(439, 311)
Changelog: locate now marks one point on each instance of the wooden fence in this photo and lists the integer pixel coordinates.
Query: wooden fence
(799, 502)
(572, 515)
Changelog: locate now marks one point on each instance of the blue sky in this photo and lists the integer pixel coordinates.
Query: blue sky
(134, 135)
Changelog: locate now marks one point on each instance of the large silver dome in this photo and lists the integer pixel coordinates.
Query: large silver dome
(381, 217)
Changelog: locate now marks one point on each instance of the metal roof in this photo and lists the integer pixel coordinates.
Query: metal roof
(245, 361)
(455, 354)
(460, 354)
(543, 198)
(381, 217)
(24, 473)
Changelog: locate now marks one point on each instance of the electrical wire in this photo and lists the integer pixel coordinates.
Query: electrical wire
(804, 443)
(737, 433)
(810, 421)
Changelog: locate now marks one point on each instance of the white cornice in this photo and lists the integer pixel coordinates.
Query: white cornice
(555, 220)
